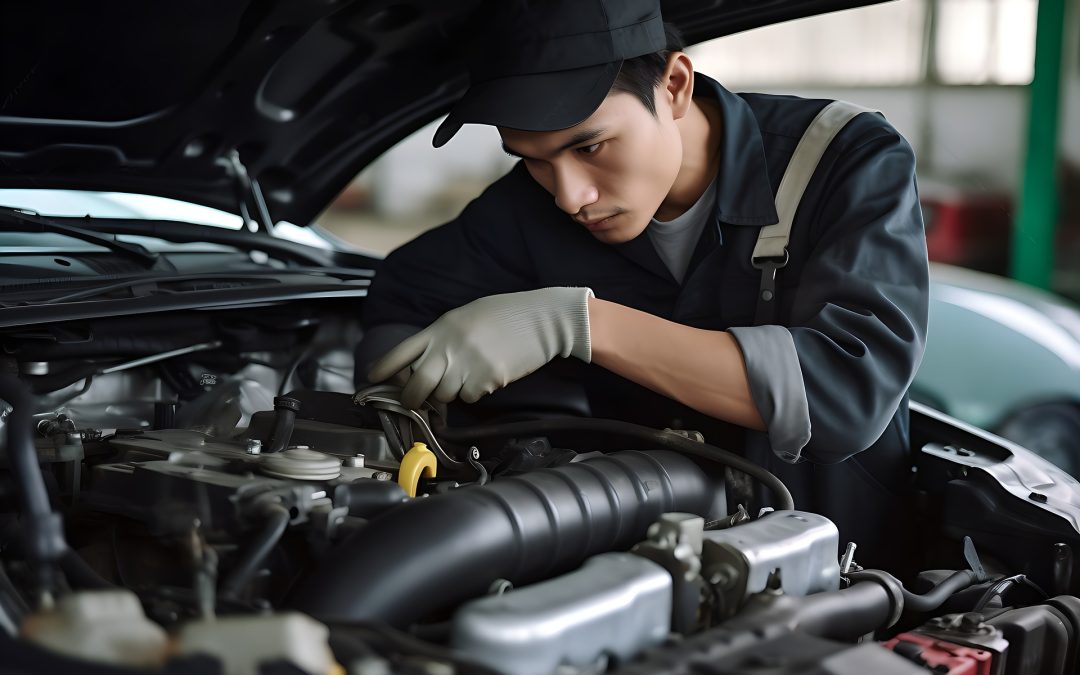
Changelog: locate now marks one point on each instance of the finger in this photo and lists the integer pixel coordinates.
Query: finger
(399, 358)
(400, 378)
(427, 374)
(473, 390)
(448, 389)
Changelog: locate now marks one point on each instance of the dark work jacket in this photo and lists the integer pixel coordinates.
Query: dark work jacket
(853, 296)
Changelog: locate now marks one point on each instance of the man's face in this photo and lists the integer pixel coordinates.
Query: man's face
(610, 172)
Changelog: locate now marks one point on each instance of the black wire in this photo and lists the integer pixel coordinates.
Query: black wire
(284, 386)
(1001, 586)
(42, 527)
(343, 376)
(663, 439)
(390, 641)
(82, 390)
(393, 435)
(276, 521)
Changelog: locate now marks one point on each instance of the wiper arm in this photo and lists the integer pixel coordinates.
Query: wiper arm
(25, 221)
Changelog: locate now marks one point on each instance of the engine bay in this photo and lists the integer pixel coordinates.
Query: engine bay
(215, 496)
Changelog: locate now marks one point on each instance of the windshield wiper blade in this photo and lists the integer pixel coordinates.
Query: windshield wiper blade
(26, 221)
(269, 276)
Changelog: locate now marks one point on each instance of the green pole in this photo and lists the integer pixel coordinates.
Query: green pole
(1033, 238)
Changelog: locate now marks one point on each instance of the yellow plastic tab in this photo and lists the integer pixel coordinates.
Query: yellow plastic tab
(418, 461)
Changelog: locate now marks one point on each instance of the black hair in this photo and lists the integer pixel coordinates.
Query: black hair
(640, 75)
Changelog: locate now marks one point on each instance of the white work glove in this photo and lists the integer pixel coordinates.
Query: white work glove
(489, 343)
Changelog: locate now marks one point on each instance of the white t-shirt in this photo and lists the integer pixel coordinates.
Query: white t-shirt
(675, 240)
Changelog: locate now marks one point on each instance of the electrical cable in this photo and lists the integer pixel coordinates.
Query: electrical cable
(661, 439)
(293, 366)
(276, 521)
(393, 437)
(80, 574)
(999, 587)
(390, 642)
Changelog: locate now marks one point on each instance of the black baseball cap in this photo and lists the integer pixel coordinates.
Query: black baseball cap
(548, 64)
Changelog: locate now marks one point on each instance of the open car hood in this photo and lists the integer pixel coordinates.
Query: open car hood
(153, 98)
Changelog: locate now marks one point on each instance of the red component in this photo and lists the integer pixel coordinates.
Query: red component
(942, 657)
(970, 230)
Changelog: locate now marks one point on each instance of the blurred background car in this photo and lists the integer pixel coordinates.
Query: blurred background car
(1005, 357)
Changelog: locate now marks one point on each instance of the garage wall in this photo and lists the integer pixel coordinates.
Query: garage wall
(951, 143)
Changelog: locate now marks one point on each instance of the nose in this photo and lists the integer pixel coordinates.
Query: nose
(573, 189)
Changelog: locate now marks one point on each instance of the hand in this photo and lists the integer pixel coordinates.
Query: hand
(489, 343)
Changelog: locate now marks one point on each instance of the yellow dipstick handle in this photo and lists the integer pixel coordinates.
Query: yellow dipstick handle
(416, 462)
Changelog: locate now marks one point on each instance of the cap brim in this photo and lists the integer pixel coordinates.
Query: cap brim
(535, 102)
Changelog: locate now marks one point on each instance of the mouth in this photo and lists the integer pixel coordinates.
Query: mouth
(600, 223)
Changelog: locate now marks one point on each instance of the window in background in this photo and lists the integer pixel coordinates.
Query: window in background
(985, 41)
(867, 46)
(413, 187)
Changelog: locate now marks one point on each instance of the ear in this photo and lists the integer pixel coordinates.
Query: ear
(678, 83)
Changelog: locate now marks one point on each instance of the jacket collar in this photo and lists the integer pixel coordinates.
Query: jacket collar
(744, 194)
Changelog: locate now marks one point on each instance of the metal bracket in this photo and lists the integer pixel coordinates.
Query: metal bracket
(249, 196)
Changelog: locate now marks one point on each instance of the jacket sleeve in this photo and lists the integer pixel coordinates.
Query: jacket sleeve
(859, 315)
(479, 253)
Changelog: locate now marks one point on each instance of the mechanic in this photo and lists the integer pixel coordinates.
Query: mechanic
(623, 238)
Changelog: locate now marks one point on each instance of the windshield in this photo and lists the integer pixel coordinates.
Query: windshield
(79, 203)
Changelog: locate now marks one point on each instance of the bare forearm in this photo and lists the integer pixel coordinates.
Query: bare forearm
(700, 368)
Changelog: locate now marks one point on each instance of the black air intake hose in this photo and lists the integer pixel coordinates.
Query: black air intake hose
(437, 552)
(42, 528)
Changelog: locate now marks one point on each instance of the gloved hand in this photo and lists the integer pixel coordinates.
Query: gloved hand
(489, 343)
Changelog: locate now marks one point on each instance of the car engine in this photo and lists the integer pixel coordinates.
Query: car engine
(214, 496)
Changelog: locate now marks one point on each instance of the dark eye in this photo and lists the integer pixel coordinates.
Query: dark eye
(590, 149)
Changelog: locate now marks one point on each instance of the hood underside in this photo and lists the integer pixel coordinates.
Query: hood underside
(152, 98)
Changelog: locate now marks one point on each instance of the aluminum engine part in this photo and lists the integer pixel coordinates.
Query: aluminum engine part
(617, 604)
(674, 542)
(799, 548)
(166, 496)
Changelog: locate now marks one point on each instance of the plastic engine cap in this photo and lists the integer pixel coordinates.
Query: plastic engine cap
(301, 464)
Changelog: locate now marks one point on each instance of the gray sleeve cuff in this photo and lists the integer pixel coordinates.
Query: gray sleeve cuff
(776, 385)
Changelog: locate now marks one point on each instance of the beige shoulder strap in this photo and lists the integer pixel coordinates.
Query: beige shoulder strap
(770, 253)
(773, 239)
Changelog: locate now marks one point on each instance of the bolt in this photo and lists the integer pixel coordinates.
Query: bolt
(848, 559)
(970, 622)
(474, 452)
(254, 446)
(722, 576)
(354, 462)
(381, 475)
